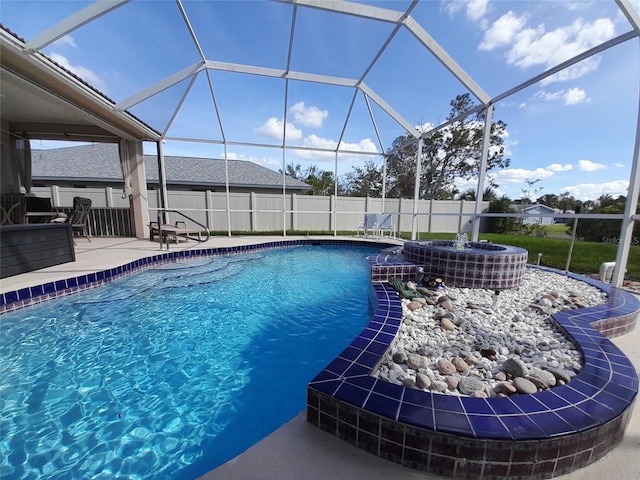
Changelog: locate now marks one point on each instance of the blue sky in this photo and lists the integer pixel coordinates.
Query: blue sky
(574, 132)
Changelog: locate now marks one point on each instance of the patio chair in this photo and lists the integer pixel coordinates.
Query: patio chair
(385, 224)
(370, 223)
(13, 208)
(79, 216)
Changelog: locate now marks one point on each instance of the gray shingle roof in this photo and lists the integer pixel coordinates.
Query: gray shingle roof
(100, 162)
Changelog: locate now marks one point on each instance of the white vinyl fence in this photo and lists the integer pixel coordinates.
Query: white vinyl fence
(263, 212)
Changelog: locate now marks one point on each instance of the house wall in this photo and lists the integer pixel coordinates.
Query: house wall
(538, 220)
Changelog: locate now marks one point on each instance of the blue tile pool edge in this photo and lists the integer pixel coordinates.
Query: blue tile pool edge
(596, 403)
(24, 297)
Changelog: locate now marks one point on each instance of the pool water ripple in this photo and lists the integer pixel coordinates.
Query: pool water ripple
(172, 371)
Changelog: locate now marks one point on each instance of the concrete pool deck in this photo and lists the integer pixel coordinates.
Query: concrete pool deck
(298, 449)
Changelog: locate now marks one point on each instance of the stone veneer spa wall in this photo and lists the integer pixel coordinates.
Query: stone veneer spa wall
(475, 265)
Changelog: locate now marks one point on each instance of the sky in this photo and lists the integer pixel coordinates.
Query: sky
(573, 132)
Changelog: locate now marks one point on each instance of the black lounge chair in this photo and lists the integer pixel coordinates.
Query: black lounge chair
(79, 216)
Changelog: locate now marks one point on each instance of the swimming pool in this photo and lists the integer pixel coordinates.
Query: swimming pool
(172, 371)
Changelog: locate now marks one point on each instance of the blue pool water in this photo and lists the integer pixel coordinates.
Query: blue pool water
(172, 371)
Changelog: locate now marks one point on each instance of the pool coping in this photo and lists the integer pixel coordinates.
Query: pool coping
(566, 427)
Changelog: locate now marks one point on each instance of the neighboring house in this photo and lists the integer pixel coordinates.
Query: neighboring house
(536, 209)
(98, 165)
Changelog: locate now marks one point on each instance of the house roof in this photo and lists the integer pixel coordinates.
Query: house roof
(537, 207)
(100, 162)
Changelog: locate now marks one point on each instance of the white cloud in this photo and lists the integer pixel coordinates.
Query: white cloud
(308, 116)
(574, 71)
(573, 96)
(67, 40)
(556, 167)
(521, 175)
(536, 46)
(503, 31)
(274, 127)
(425, 127)
(548, 96)
(589, 166)
(269, 162)
(84, 73)
(591, 191)
(618, 165)
(314, 141)
(476, 9)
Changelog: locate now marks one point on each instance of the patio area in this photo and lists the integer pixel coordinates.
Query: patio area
(298, 449)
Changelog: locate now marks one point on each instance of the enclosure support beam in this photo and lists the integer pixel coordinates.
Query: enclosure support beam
(486, 142)
(162, 181)
(626, 232)
(416, 189)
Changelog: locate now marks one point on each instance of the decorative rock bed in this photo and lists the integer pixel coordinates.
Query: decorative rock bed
(534, 436)
(474, 342)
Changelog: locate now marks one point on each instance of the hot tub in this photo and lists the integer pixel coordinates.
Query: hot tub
(477, 265)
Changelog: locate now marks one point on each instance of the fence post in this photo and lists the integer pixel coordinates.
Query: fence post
(207, 206)
(252, 214)
(55, 195)
(294, 209)
(108, 193)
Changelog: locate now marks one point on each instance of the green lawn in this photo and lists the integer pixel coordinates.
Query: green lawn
(585, 258)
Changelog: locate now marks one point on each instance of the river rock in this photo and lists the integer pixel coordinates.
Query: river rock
(416, 361)
(409, 383)
(447, 324)
(414, 305)
(470, 385)
(399, 357)
(422, 381)
(446, 367)
(460, 364)
(547, 377)
(562, 375)
(507, 388)
(446, 304)
(500, 376)
(540, 385)
(438, 386)
(515, 367)
(452, 382)
(488, 352)
(524, 386)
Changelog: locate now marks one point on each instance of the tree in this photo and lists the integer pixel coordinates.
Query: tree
(529, 192)
(364, 181)
(488, 195)
(597, 230)
(451, 153)
(502, 224)
(549, 199)
(321, 181)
